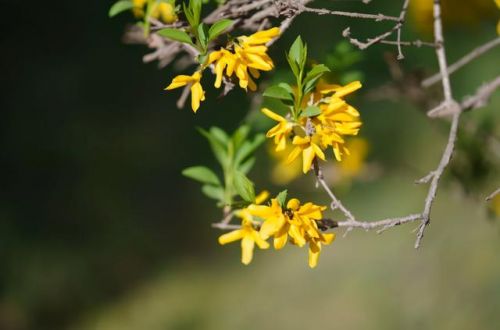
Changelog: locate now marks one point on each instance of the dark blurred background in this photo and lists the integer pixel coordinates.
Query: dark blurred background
(98, 230)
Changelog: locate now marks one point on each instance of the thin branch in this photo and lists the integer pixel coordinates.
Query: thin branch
(377, 17)
(435, 177)
(363, 45)
(477, 52)
(482, 95)
(336, 203)
(492, 195)
(417, 43)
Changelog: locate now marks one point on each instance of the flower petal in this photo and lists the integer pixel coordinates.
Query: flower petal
(247, 245)
(231, 236)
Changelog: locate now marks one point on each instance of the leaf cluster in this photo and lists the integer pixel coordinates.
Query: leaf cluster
(235, 154)
(306, 80)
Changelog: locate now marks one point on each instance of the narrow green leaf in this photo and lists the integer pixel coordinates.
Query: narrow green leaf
(247, 148)
(176, 35)
(281, 198)
(310, 111)
(244, 187)
(219, 134)
(293, 65)
(202, 174)
(313, 76)
(196, 10)
(278, 92)
(296, 51)
(120, 7)
(203, 35)
(188, 14)
(247, 165)
(286, 86)
(317, 70)
(218, 148)
(213, 192)
(218, 27)
(240, 135)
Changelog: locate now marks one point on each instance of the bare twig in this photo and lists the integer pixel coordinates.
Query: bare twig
(492, 195)
(482, 95)
(400, 21)
(477, 52)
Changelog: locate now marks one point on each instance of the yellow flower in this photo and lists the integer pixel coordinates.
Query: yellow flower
(260, 37)
(309, 150)
(223, 59)
(337, 118)
(315, 247)
(197, 92)
(281, 131)
(304, 228)
(165, 11)
(248, 236)
(274, 222)
(249, 55)
(297, 221)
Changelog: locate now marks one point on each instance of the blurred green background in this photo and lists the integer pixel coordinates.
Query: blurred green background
(98, 229)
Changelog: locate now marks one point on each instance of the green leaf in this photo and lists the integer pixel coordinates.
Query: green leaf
(202, 174)
(317, 70)
(240, 135)
(310, 111)
(218, 27)
(282, 198)
(278, 92)
(287, 87)
(203, 35)
(213, 192)
(176, 35)
(351, 76)
(244, 187)
(247, 148)
(188, 14)
(120, 7)
(218, 148)
(247, 165)
(293, 65)
(195, 6)
(219, 134)
(296, 51)
(313, 76)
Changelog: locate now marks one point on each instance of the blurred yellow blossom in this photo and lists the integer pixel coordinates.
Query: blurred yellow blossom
(284, 172)
(494, 205)
(353, 165)
(197, 92)
(162, 10)
(454, 13)
(498, 23)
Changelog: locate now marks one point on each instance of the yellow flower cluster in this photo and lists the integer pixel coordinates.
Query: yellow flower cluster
(244, 58)
(311, 135)
(163, 11)
(249, 55)
(296, 223)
